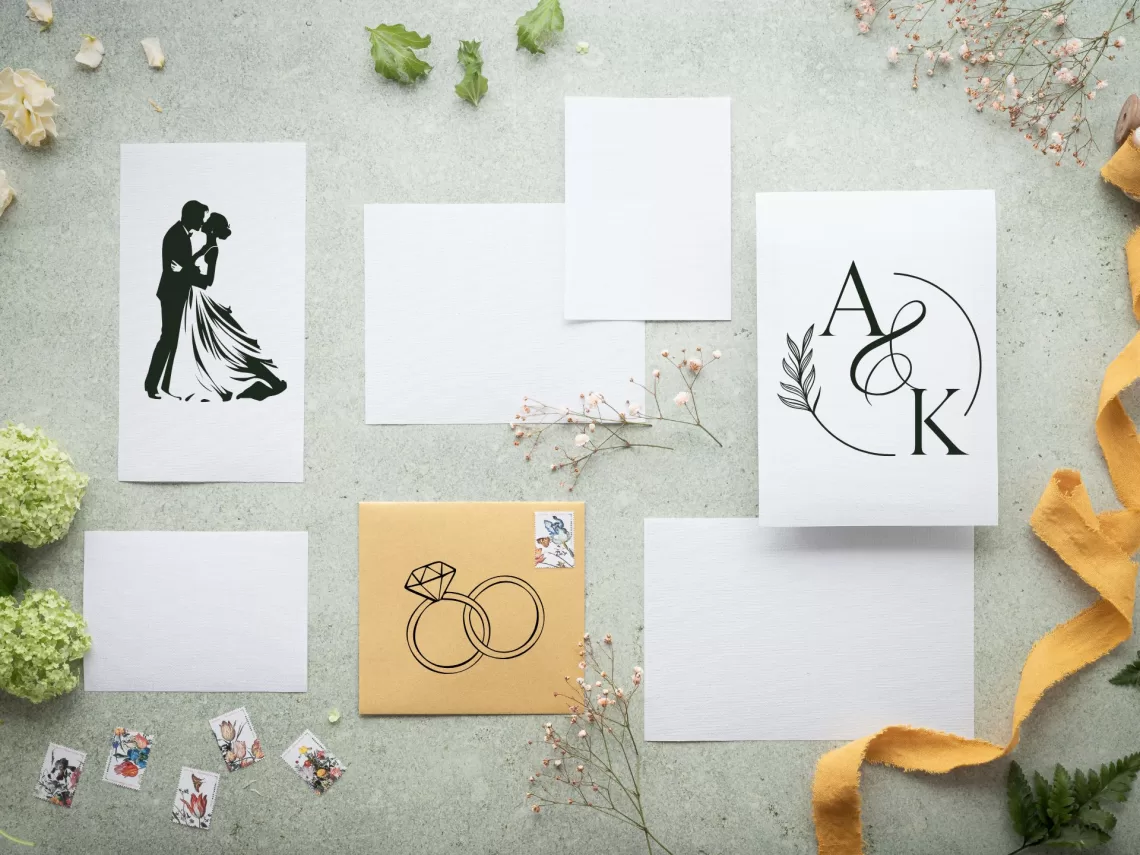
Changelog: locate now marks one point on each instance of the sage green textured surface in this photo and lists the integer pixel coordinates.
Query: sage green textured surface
(814, 108)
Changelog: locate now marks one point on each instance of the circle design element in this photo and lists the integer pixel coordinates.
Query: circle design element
(432, 582)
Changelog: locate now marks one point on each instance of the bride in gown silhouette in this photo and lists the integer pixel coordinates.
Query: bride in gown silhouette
(223, 359)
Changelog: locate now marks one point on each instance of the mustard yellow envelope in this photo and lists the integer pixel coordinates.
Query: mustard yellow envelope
(470, 607)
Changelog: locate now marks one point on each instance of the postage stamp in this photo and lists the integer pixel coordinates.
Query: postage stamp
(59, 775)
(236, 738)
(553, 539)
(317, 767)
(130, 752)
(195, 799)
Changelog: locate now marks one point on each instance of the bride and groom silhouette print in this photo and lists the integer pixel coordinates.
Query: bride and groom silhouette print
(202, 347)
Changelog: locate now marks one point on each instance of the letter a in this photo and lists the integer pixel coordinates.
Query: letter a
(919, 421)
(864, 302)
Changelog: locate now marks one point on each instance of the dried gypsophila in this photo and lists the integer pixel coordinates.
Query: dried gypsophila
(28, 106)
(598, 427)
(1024, 62)
(595, 762)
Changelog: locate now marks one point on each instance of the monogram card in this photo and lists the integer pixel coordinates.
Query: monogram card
(876, 350)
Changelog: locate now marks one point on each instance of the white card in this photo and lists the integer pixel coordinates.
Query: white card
(889, 415)
(195, 798)
(219, 342)
(810, 633)
(649, 208)
(464, 317)
(173, 611)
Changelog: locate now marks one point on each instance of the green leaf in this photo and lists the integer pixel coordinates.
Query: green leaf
(1022, 810)
(1041, 803)
(473, 86)
(1061, 802)
(1093, 817)
(538, 25)
(1130, 676)
(1078, 837)
(9, 576)
(1116, 778)
(392, 47)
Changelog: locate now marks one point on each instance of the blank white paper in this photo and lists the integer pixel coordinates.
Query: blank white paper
(463, 317)
(172, 611)
(649, 208)
(814, 633)
(191, 433)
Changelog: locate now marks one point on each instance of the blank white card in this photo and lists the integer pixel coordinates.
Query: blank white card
(463, 317)
(809, 633)
(649, 209)
(174, 611)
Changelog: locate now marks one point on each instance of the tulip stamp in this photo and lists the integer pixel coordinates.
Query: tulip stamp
(130, 751)
(237, 740)
(195, 799)
(317, 767)
(553, 539)
(59, 775)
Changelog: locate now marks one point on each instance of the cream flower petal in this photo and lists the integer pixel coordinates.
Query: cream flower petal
(7, 194)
(91, 54)
(41, 11)
(154, 55)
(27, 105)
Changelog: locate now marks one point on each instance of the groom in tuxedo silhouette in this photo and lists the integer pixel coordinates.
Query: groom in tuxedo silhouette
(178, 271)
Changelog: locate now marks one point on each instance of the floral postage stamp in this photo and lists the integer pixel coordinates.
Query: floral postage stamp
(195, 799)
(59, 775)
(553, 539)
(130, 751)
(309, 758)
(236, 738)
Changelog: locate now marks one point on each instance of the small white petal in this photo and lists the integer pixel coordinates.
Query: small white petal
(154, 55)
(7, 194)
(40, 10)
(583, 47)
(91, 54)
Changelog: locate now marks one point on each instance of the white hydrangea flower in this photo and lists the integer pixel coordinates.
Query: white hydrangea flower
(40, 489)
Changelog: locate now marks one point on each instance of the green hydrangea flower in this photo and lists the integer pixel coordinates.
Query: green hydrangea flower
(39, 639)
(40, 489)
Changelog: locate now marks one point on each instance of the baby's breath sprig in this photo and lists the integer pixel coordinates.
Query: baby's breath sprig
(598, 427)
(1025, 62)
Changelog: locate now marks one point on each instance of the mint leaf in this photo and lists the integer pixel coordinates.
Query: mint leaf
(392, 47)
(473, 86)
(1130, 676)
(539, 25)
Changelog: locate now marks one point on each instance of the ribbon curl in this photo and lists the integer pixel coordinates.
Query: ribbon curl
(1097, 547)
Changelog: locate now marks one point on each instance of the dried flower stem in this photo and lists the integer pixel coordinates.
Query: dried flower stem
(600, 767)
(1024, 62)
(601, 427)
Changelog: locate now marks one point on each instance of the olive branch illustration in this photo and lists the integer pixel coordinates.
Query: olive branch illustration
(802, 374)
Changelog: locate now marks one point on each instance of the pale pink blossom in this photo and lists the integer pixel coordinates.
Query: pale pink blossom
(1101, 84)
(665, 354)
(1060, 20)
(864, 27)
(656, 372)
(582, 439)
(944, 57)
(1119, 43)
(682, 399)
(892, 54)
(581, 735)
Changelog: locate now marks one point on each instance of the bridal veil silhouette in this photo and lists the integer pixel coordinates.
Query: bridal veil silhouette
(203, 351)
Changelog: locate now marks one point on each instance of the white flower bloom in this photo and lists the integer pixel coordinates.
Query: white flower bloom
(41, 11)
(27, 106)
(91, 54)
(154, 56)
(581, 439)
(892, 54)
(681, 399)
(7, 194)
(634, 410)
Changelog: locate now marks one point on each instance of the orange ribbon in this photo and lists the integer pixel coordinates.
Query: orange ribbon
(1098, 548)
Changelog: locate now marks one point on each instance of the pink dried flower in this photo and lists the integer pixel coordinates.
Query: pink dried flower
(892, 54)
(581, 735)
(682, 399)
(656, 372)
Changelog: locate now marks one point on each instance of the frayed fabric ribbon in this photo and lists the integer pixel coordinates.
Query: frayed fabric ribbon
(1097, 547)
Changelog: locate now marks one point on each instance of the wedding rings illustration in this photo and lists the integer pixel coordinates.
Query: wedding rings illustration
(432, 582)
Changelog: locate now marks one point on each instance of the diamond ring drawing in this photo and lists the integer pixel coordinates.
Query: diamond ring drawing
(432, 583)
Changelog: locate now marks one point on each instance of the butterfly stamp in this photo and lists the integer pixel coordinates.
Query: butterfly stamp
(553, 539)
(195, 799)
(59, 775)
(236, 739)
(130, 752)
(316, 766)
